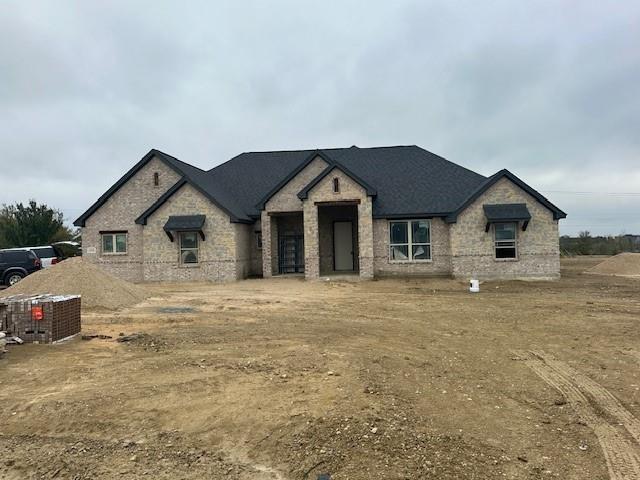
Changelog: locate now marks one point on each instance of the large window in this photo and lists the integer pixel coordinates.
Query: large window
(410, 240)
(114, 243)
(505, 240)
(188, 248)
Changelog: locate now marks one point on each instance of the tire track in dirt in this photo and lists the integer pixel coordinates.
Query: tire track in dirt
(599, 395)
(621, 453)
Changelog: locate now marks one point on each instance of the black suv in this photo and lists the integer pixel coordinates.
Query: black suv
(17, 264)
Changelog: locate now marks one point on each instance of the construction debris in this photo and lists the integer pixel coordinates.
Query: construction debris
(76, 276)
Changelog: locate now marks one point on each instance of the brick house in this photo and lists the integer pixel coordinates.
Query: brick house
(366, 211)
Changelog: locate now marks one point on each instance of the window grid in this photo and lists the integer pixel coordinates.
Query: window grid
(505, 248)
(409, 245)
(189, 248)
(114, 243)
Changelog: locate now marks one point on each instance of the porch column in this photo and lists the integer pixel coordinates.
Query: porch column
(265, 222)
(365, 238)
(311, 241)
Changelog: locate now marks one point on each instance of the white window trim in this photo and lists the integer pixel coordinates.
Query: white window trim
(180, 249)
(113, 242)
(514, 241)
(410, 243)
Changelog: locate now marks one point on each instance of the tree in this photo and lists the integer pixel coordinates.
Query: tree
(31, 225)
(584, 243)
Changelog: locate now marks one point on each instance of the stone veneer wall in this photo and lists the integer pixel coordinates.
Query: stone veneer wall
(119, 213)
(256, 253)
(220, 258)
(285, 200)
(323, 192)
(440, 264)
(473, 249)
(244, 240)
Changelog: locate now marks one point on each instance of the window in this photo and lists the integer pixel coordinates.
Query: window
(188, 248)
(156, 179)
(505, 240)
(45, 252)
(336, 185)
(410, 240)
(259, 240)
(114, 243)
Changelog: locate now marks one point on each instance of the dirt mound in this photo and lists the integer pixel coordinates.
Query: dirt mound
(75, 276)
(623, 264)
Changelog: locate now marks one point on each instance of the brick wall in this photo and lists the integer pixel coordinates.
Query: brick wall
(119, 213)
(220, 257)
(439, 265)
(473, 249)
(285, 200)
(323, 192)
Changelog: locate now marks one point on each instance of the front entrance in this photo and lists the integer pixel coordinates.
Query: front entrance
(343, 246)
(290, 254)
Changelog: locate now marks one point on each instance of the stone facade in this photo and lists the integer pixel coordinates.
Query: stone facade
(119, 213)
(230, 250)
(439, 265)
(286, 199)
(223, 255)
(349, 192)
(472, 248)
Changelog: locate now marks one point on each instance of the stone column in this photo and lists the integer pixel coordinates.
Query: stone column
(311, 241)
(265, 222)
(365, 238)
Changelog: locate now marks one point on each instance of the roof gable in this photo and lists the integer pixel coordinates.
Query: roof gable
(310, 158)
(304, 193)
(492, 180)
(178, 166)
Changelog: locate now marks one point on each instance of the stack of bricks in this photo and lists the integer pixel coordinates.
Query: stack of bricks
(40, 318)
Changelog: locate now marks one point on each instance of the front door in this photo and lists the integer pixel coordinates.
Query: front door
(343, 246)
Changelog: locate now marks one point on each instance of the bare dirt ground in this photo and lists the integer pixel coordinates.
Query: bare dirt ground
(390, 379)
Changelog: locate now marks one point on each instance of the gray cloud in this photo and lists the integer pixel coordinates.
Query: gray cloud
(550, 90)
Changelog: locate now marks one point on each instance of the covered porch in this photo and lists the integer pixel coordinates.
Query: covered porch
(325, 239)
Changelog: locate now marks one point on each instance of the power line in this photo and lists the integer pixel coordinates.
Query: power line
(591, 193)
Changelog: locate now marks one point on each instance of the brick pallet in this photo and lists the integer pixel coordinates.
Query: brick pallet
(40, 318)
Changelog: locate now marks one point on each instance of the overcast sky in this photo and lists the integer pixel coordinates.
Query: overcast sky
(549, 90)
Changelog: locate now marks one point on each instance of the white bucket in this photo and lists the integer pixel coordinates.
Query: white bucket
(474, 286)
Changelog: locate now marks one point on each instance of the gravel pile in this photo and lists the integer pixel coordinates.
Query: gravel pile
(623, 264)
(75, 276)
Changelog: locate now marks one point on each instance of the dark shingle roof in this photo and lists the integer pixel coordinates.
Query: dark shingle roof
(408, 181)
(506, 212)
(184, 222)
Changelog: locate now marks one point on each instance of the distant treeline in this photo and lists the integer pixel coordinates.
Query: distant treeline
(585, 244)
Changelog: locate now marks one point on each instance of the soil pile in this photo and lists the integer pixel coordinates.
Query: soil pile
(623, 264)
(77, 277)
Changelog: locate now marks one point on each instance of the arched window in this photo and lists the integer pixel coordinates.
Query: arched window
(156, 179)
(336, 185)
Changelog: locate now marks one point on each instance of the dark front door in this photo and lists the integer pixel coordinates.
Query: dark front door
(291, 254)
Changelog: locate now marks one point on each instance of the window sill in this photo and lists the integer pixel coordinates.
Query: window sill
(410, 261)
(189, 265)
(506, 259)
(120, 254)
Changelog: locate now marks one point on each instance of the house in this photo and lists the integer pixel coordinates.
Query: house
(367, 211)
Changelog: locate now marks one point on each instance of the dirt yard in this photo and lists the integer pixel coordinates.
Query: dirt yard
(390, 379)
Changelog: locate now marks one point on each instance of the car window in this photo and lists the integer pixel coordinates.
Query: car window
(44, 252)
(17, 256)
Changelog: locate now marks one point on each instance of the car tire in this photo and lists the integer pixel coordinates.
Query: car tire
(13, 278)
